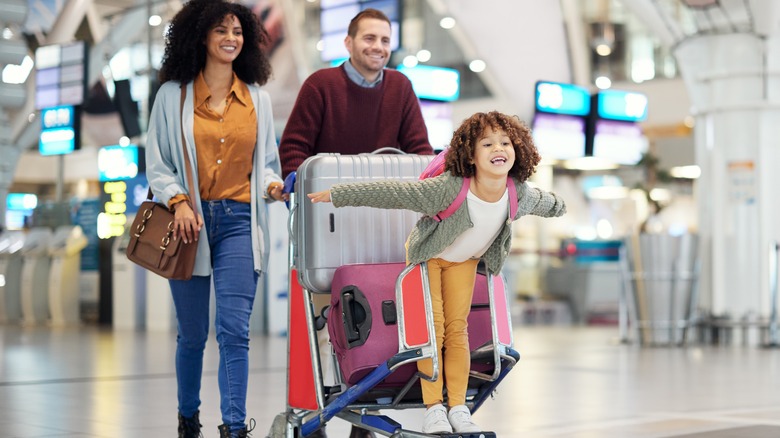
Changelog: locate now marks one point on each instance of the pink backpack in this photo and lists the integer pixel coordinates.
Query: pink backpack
(436, 168)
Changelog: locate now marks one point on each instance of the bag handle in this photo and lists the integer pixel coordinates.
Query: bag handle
(187, 169)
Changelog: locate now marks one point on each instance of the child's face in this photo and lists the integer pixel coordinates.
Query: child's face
(494, 154)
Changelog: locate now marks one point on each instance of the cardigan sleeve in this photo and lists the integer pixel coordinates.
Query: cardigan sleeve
(161, 171)
(532, 200)
(429, 196)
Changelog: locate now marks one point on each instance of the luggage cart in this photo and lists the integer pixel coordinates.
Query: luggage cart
(323, 239)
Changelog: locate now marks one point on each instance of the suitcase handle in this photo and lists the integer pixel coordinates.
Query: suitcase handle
(388, 149)
(357, 316)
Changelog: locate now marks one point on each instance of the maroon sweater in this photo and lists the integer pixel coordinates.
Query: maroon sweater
(334, 114)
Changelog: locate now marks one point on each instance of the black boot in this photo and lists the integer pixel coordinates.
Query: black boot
(189, 427)
(224, 430)
(358, 432)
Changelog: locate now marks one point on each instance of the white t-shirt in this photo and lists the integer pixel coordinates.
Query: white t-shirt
(488, 218)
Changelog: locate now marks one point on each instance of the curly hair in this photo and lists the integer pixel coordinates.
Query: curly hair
(465, 138)
(185, 48)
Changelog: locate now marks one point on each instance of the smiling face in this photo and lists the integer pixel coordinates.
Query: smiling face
(369, 49)
(224, 41)
(494, 154)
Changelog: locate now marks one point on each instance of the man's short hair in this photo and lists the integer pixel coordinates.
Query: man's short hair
(366, 13)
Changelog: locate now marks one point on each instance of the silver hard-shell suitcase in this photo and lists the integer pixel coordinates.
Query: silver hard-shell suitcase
(347, 235)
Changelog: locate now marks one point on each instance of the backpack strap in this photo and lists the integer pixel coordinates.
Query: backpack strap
(510, 186)
(464, 190)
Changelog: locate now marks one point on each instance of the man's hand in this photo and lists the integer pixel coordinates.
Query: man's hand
(323, 196)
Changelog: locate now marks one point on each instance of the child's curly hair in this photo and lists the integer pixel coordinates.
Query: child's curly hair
(185, 48)
(464, 140)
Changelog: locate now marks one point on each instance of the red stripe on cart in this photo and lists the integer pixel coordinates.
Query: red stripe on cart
(301, 393)
(416, 326)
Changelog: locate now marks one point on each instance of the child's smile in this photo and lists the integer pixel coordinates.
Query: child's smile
(494, 154)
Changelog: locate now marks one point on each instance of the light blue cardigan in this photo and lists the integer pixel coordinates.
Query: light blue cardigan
(165, 158)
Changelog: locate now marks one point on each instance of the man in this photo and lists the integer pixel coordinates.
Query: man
(354, 108)
(358, 106)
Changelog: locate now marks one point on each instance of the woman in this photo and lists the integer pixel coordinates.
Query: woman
(213, 51)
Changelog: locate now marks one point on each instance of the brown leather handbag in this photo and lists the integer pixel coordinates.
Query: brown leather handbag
(151, 236)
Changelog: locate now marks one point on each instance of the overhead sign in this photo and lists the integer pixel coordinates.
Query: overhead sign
(626, 106)
(60, 74)
(559, 98)
(118, 162)
(434, 83)
(59, 130)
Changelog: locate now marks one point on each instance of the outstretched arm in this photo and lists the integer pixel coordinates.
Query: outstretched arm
(323, 196)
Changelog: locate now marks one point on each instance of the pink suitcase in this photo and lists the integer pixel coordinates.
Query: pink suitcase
(362, 320)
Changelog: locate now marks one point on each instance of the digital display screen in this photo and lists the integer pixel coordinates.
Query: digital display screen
(622, 105)
(60, 74)
(559, 137)
(50, 76)
(438, 122)
(47, 97)
(333, 44)
(435, 83)
(335, 16)
(619, 142)
(58, 130)
(558, 98)
(117, 162)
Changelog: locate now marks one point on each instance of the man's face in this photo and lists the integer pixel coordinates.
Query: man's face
(369, 50)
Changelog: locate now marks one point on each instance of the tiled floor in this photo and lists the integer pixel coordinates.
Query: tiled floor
(571, 382)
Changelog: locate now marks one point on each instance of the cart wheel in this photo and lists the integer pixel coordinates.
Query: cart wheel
(278, 427)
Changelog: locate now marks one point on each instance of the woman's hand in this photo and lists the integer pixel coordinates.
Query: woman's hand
(186, 224)
(275, 191)
(323, 196)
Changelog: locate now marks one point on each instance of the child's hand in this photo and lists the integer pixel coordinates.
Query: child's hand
(323, 196)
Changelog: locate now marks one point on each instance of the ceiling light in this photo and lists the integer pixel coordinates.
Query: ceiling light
(410, 61)
(477, 65)
(660, 195)
(603, 82)
(320, 45)
(155, 20)
(424, 55)
(8, 33)
(447, 23)
(603, 50)
(689, 172)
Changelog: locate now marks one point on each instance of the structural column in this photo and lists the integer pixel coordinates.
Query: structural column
(734, 87)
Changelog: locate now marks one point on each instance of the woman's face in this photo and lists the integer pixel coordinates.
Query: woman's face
(224, 41)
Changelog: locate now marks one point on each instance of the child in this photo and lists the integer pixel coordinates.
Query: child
(488, 148)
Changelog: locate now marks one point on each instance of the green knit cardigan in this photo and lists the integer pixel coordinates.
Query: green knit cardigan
(429, 197)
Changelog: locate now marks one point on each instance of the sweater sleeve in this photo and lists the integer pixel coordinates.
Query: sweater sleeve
(428, 196)
(532, 200)
(303, 127)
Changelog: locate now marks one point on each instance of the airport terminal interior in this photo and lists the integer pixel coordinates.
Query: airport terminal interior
(648, 310)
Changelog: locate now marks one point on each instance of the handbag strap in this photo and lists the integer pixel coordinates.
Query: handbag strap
(187, 167)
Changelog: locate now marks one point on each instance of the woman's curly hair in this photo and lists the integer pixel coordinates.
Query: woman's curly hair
(185, 48)
(464, 140)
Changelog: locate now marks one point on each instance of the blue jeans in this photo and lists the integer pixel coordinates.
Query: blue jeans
(235, 280)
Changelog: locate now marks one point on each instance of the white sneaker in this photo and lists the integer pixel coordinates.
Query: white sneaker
(436, 420)
(460, 419)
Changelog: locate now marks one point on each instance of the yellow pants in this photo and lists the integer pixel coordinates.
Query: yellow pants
(452, 286)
